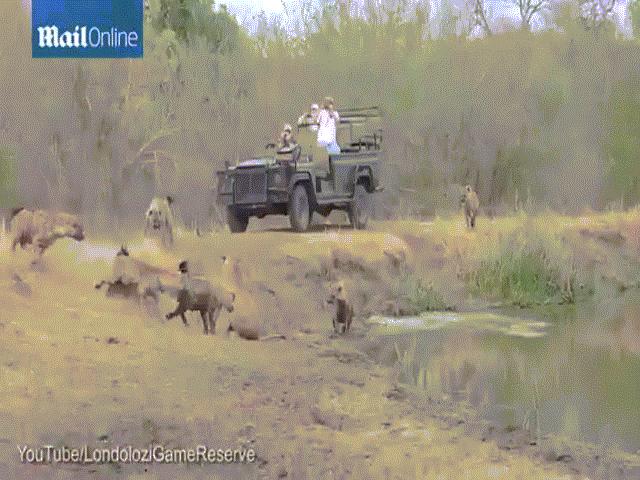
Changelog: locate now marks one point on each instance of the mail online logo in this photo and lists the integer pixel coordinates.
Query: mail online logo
(86, 28)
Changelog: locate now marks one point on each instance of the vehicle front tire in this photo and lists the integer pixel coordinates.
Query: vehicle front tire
(360, 209)
(299, 208)
(237, 222)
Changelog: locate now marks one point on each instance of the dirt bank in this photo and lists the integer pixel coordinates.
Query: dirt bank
(78, 368)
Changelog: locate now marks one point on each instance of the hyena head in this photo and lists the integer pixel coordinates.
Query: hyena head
(337, 291)
(153, 289)
(227, 301)
(67, 225)
(159, 212)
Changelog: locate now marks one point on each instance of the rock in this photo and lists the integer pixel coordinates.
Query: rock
(328, 419)
(20, 287)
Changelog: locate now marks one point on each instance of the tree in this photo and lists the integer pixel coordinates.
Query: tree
(528, 8)
(595, 13)
(192, 19)
(634, 13)
(479, 17)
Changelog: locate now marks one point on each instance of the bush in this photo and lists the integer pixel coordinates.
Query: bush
(522, 277)
(415, 298)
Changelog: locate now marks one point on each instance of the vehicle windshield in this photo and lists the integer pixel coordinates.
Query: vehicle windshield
(257, 162)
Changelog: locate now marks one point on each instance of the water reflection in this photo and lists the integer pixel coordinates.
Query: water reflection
(572, 370)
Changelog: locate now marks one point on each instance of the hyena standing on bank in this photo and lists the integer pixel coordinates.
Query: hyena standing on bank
(201, 296)
(344, 310)
(471, 205)
(159, 220)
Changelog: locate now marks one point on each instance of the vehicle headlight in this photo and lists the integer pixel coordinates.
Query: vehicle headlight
(278, 178)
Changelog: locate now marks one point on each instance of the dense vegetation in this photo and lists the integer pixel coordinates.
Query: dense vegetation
(542, 118)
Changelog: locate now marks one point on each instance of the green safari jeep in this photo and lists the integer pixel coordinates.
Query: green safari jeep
(304, 179)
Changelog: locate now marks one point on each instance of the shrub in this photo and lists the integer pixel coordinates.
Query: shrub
(414, 297)
(522, 277)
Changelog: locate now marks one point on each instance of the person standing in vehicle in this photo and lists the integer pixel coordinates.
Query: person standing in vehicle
(328, 119)
(310, 119)
(286, 140)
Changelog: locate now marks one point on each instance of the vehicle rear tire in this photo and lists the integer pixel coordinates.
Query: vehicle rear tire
(360, 209)
(299, 208)
(237, 223)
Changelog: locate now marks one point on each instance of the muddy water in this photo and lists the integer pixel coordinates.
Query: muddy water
(569, 370)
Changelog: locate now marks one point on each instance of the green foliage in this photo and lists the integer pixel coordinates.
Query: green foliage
(552, 96)
(522, 277)
(634, 12)
(623, 142)
(514, 111)
(414, 297)
(516, 171)
(8, 178)
(196, 19)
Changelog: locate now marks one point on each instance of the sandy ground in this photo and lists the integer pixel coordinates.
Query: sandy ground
(77, 368)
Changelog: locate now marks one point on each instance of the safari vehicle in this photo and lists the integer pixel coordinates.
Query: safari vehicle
(304, 179)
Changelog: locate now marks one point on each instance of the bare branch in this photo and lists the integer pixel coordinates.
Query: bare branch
(594, 13)
(528, 8)
(479, 17)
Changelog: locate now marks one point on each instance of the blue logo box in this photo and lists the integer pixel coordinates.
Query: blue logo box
(86, 28)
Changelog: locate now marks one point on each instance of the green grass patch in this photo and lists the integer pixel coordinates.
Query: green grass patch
(415, 297)
(522, 277)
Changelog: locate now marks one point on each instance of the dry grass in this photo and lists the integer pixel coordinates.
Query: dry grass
(78, 368)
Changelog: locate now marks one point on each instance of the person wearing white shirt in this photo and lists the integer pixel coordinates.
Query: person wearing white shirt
(328, 119)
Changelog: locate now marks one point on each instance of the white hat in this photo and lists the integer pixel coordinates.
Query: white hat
(315, 106)
(287, 127)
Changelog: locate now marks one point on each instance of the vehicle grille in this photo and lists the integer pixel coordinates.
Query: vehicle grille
(250, 186)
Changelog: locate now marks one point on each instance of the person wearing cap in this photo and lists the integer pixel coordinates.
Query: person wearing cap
(310, 119)
(328, 119)
(286, 140)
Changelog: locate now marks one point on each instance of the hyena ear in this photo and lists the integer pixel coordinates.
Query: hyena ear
(169, 199)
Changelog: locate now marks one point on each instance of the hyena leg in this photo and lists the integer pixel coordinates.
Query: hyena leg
(37, 254)
(178, 311)
(183, 305)
(214, 313)
(205, 326)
